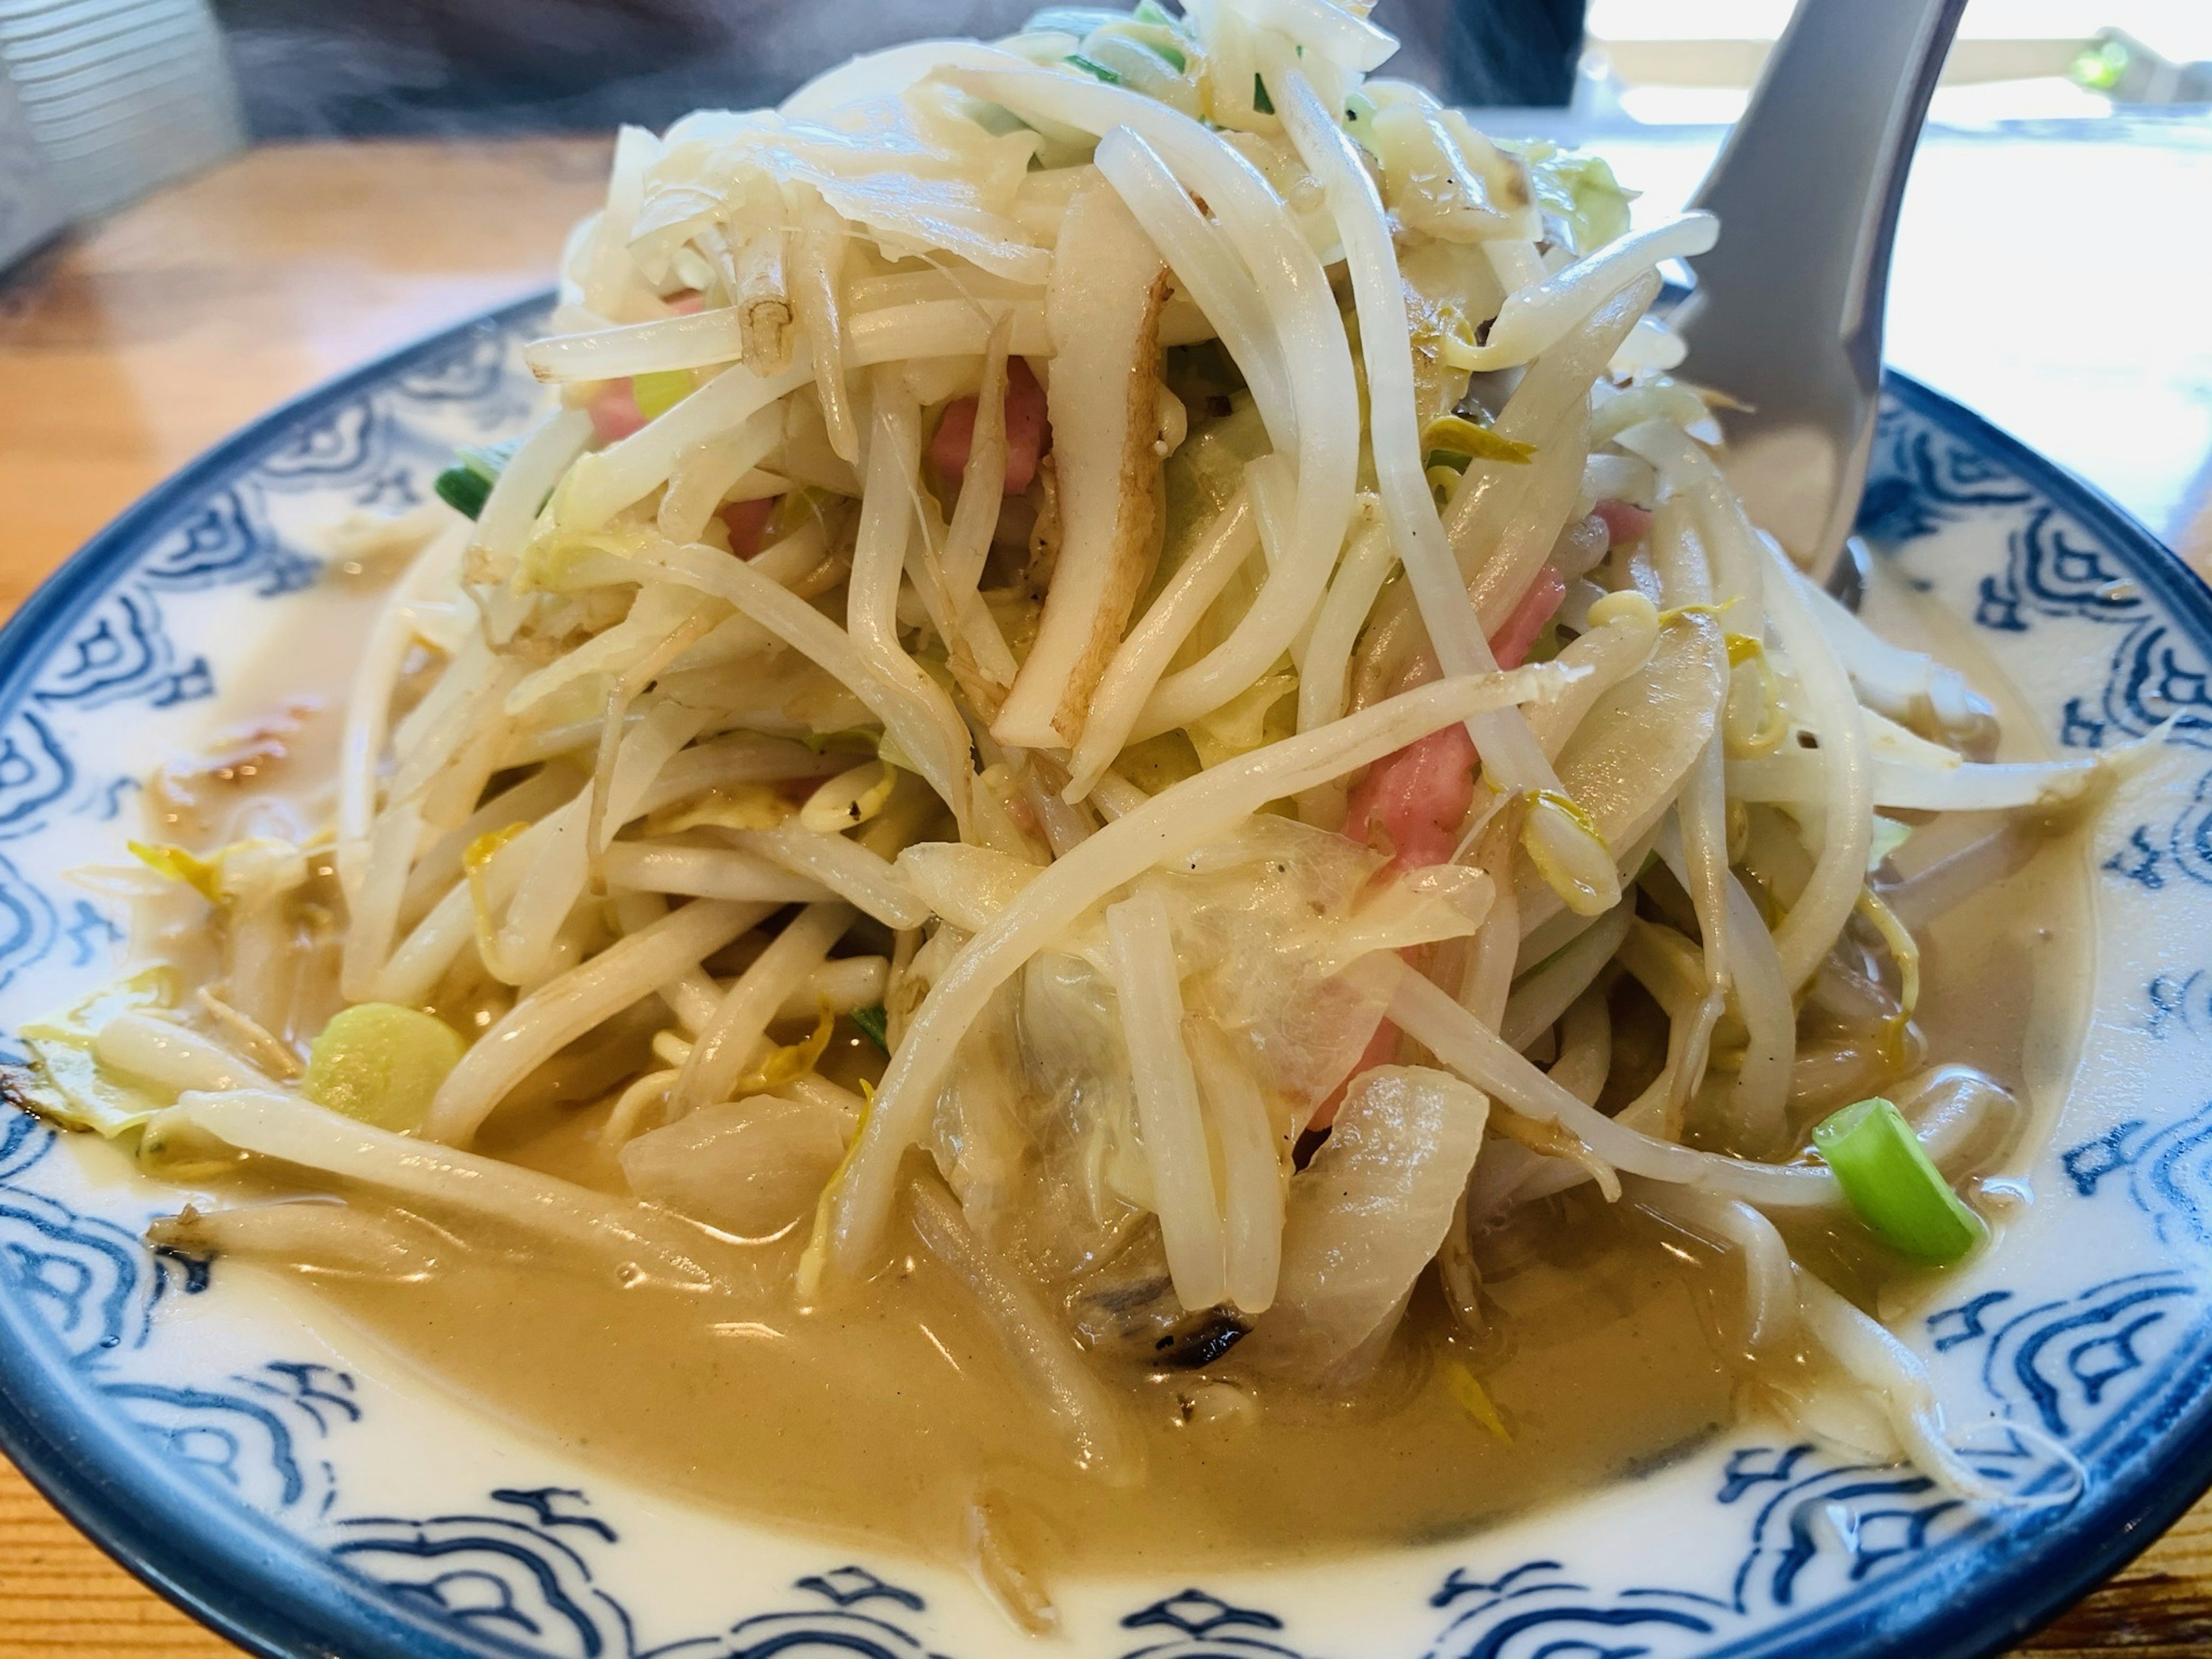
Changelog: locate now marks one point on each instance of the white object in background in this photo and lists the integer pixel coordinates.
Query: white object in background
(31, 207)
(123, 94)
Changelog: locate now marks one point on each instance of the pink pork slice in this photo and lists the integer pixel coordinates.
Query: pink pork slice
(746, 522)
(1625, 522)
(1418, 797)
(614, 414)
(1028, 437)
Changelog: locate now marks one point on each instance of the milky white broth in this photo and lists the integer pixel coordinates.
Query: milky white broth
(888, 1410)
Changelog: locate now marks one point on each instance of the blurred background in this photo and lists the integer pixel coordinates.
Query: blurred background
(104, 100)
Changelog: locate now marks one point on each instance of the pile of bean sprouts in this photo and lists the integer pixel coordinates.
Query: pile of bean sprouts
(1147, 780)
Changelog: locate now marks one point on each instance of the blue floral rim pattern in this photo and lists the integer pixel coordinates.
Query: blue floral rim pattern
(130, 1457)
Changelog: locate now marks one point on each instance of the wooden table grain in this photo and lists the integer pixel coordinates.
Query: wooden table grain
(127, 351)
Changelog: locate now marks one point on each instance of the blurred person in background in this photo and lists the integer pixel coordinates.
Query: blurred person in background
(310, 69)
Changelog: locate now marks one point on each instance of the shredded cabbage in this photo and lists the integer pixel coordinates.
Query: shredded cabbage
(67, 1084)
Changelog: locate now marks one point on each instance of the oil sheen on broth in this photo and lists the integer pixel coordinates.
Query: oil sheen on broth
(888, 1410)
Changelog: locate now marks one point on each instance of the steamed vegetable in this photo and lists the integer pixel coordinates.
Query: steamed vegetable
(69, 1084)
(381, 1065)
(1894, 1186)
(1103, 307)
(466, 485)
(1368, 1214)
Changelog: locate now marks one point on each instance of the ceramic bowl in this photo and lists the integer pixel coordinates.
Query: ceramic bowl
(297, 1487)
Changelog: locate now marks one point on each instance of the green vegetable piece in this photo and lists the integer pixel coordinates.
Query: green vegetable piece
(1261, 101)
(1896, 1190)
(464, 489)
(1150, 11)
(1173, 56)
(467, 484)
(1460, 441)
(661, 389)
(65, 1082)
(1077, 60)
(875, 1024)
(382, 1064)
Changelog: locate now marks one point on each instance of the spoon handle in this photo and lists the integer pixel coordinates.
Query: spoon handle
(1788, 314)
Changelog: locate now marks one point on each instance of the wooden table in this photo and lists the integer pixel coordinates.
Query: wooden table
(125, 352)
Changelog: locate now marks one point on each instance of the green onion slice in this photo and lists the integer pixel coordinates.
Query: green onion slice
(465, 486)
(1077, 60)
(1896, 1190)
(875, 1024)
(463, 490)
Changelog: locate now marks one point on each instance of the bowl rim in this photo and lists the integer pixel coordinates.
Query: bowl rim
(271, 1591)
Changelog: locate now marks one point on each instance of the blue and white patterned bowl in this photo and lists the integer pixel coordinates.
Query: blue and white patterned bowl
(305, 1493)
